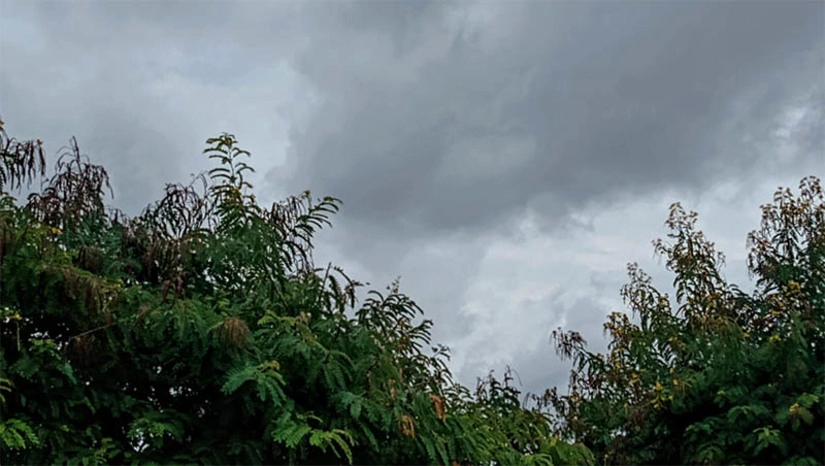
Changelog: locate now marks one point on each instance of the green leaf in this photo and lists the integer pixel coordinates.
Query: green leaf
(16, 434)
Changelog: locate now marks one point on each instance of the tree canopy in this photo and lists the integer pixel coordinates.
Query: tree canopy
(201, 331)
(718, 375)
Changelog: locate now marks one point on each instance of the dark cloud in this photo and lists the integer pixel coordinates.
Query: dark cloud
(435, 117)
(431, 123)
(442, 126)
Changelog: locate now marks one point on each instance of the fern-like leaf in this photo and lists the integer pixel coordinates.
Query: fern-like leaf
(16, 434)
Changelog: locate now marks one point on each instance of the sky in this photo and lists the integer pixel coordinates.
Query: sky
(505, 159)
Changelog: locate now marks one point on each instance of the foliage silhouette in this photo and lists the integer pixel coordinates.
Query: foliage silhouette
(718, 376)
(201, 331)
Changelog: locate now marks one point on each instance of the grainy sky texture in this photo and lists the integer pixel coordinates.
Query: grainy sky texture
(506, 159)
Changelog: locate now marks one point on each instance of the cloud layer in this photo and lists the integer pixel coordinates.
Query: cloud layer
(505, 158)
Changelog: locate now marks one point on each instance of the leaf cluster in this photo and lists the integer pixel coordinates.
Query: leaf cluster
(201, 331)
(718, 375)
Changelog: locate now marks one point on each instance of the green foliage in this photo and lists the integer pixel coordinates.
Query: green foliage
(201, 331)
(16, 434)
(718, 376)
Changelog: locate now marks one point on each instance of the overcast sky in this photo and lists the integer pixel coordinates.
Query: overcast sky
(506, 159)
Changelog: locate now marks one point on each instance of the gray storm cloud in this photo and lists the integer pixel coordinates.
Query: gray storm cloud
(442, 126)
(433, 119)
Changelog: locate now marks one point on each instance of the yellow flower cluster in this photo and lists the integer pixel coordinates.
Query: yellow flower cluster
(794, 287)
